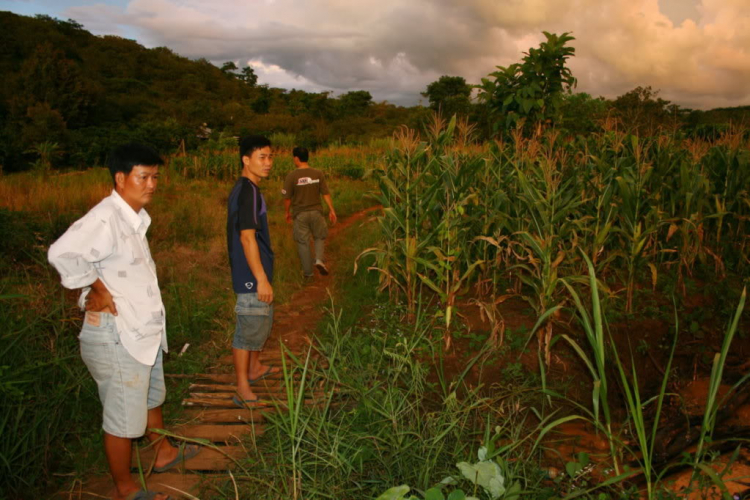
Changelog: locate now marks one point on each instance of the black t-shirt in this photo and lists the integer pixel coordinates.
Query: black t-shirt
(247, 210)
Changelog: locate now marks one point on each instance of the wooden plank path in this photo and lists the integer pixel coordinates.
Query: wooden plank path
(210, 413)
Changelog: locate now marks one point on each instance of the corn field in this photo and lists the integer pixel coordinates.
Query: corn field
(514, 218)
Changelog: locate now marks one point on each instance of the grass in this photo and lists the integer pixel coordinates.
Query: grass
(393, 415)
(49, 410)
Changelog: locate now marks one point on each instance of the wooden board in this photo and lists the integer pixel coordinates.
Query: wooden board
(208, 459)
(262, 404)
(234, 415)
(220, 433)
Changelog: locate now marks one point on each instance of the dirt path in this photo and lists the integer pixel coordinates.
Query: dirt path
(210, 411)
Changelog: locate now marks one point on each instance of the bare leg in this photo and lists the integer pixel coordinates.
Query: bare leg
(118, 451)
(241, 369)
(165, 452)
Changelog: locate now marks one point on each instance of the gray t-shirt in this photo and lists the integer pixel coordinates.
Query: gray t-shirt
(305, 186)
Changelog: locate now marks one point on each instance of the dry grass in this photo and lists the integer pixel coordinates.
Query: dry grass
(72, 192)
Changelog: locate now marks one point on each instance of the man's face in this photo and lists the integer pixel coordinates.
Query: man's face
(138, 187)
(259, 164)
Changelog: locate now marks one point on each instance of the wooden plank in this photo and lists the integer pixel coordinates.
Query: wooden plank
(226, 416)
(272, 358)
(259, 387)
(217, 433)
(98, 487)
(228, 378)
(216, 459)
(263, 396)
(264, 403)
(172, 483)
(221, 403)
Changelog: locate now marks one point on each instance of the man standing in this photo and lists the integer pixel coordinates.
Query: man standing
(251, 260)
(106, 254)
(302, 190)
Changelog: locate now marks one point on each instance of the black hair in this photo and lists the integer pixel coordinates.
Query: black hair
(126, 156)
(250, 143)
(302, 153)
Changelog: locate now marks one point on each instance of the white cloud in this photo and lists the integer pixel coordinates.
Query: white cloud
(394, 48)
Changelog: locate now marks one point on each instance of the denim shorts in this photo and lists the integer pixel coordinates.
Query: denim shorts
(254, 320)
(127, 388)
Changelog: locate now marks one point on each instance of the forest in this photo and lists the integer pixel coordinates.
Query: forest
(69, 95)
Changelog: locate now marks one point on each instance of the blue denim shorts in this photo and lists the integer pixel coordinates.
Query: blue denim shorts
(254, 321)
(127, 388)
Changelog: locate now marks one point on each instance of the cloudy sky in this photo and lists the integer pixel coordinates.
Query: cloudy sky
(696, 51)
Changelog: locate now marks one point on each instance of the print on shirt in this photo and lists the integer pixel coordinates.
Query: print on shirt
(304, 181)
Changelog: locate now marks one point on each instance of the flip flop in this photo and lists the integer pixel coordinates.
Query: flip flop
(242, 403)
(183, 453)
(145, 495)
(265, 374)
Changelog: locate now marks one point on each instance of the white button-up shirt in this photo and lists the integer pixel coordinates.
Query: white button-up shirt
(109, 243)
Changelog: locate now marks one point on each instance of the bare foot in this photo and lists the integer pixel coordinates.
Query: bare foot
(166, 454)
(246, 394)
(261, 371)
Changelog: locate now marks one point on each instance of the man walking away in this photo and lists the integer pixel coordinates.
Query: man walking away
(302, 190)
(106, 255)
(251, 259)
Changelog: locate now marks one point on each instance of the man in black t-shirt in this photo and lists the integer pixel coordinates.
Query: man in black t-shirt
(302, 190)
(251, 260)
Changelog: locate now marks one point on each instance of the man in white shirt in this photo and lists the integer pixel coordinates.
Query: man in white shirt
(106, 255)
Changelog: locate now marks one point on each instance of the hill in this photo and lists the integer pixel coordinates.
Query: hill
(69, 94)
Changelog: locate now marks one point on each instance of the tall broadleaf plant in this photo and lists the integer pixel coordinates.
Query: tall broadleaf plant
(531, 91)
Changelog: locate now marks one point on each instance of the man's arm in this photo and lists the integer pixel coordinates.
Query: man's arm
(87, 241)
(331, 211)
(287, 208)
(252, 255)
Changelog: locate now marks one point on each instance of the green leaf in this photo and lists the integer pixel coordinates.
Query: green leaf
(572, 468)
(514, 491)
(457, 495)
(486, 474)
(395, 493)
(433, 494)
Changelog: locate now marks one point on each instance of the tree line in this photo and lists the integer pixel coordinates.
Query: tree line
(69, 95)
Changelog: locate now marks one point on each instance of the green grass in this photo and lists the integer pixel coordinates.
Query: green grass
(49, 410)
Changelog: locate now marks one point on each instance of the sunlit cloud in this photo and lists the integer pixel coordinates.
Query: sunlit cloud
(698, 55)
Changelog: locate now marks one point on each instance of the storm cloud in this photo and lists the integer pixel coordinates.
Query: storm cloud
(394, 48)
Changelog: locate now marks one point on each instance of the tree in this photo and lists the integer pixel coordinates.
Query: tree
(644, 112)
(248, 76)
(50, 78)
(355, 102)
(229, 68)
(582, 113)
(449, 95)
(532, 90)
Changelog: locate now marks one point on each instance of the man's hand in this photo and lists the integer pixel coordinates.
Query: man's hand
(265, 292)
(100, 300)
(332, 217)
(288, 218)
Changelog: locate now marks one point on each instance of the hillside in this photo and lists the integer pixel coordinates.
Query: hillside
(67, 88)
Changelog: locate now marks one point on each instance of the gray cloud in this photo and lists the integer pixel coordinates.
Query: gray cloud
(394, 48)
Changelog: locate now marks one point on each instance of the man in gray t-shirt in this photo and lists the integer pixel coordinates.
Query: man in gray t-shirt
(302, 190)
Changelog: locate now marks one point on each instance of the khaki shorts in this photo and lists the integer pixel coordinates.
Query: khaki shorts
(127, 388)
